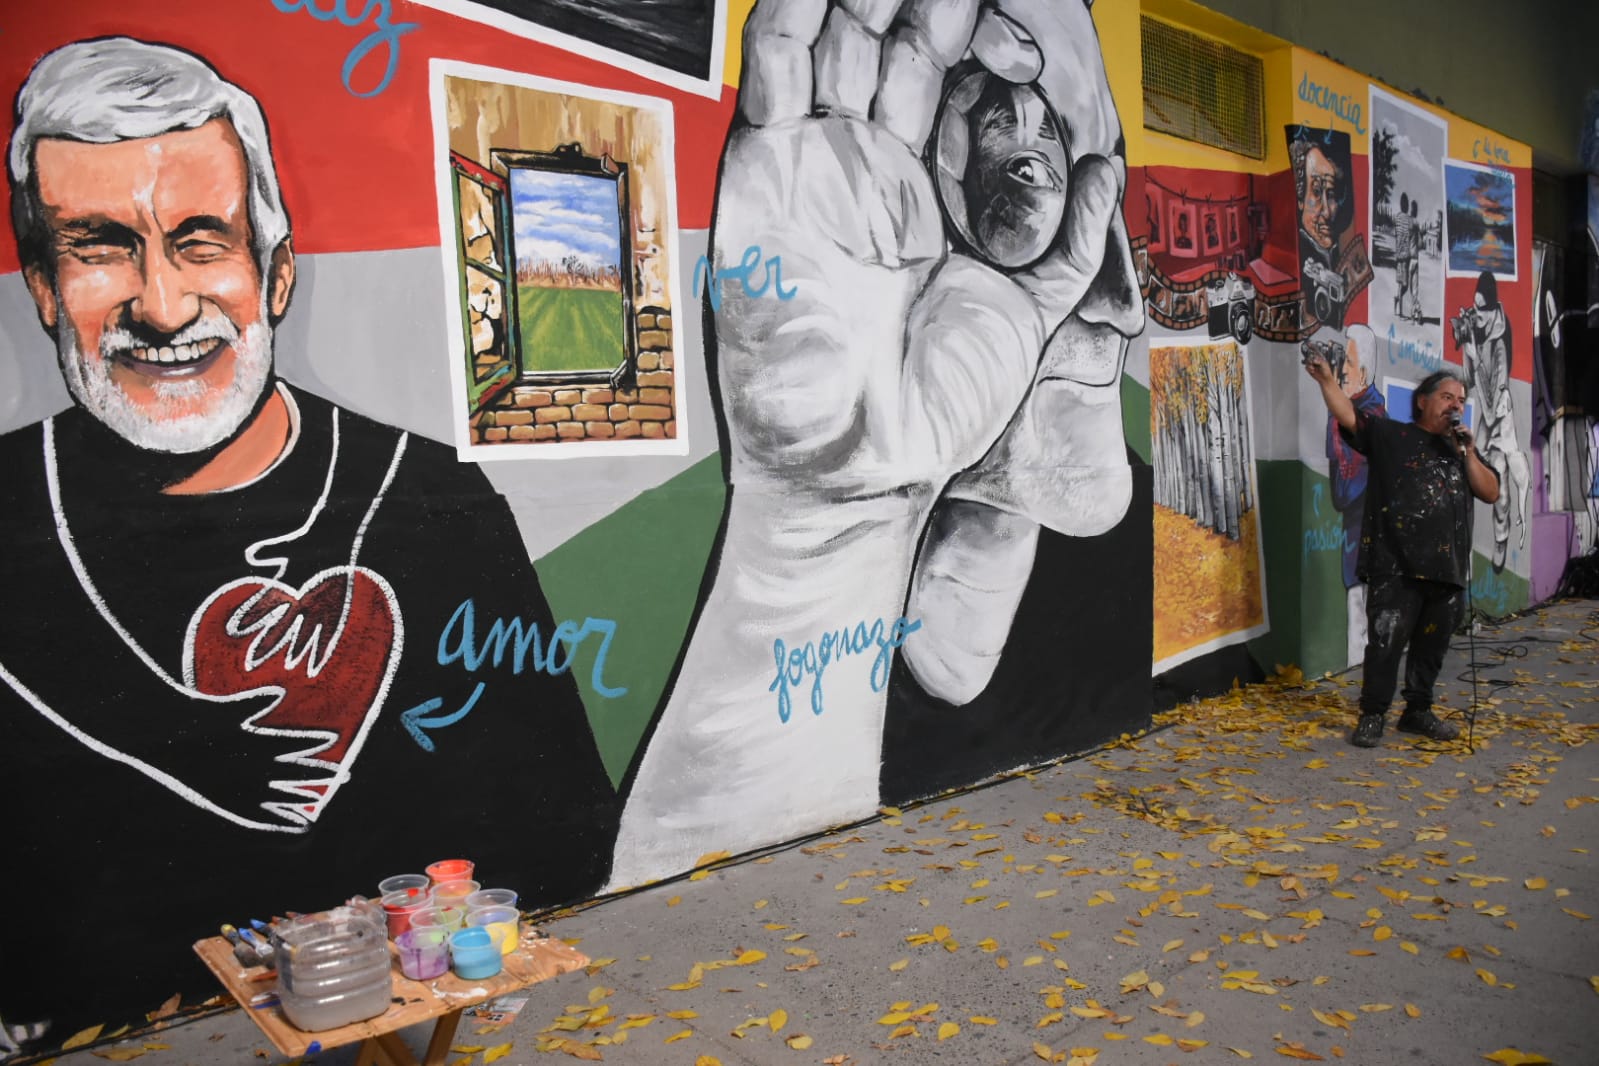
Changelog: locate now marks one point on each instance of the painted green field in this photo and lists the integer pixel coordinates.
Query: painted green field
(569, 329)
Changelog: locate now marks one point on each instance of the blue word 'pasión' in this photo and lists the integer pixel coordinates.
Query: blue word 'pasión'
(794, 664)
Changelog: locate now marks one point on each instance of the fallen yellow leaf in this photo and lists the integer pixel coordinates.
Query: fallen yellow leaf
(1487, 978)
(982, 1019)
(798, 1043)
(1158, 1039)
(496, 1053)
(777, 1019)
(707, 1060)
(681, 1035)
(82, 1037)
(948, 1029)
(1535, 883)
(1330, 1019)
(1509, 1056)
(900, 965)
(1412, 1010)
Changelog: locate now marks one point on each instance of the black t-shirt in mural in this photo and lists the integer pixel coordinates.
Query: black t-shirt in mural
(316, 605)
(1418, 503)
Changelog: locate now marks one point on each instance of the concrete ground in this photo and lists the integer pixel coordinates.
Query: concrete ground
(1240, 883)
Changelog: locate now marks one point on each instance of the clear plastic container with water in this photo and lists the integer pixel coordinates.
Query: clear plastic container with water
(333, 969)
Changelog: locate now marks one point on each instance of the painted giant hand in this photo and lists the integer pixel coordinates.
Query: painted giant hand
(935, 377)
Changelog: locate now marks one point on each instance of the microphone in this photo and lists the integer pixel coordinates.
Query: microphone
(1456, 430)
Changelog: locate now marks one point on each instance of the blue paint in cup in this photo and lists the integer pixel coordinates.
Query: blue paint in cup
(474, 954)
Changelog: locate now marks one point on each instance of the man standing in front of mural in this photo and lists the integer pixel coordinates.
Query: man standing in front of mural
(1482, 333)
(1415, 547)
(233, 607)
(949, 365)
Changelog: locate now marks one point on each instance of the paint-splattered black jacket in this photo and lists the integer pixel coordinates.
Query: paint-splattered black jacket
(1418, 503)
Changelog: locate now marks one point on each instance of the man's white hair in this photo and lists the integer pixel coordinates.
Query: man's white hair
(119, 89)
(1365, 345)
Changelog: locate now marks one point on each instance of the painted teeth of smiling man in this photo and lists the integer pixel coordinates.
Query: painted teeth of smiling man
(182, 353)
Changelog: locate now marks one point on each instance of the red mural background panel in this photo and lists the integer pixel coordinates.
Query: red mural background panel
(358, 172)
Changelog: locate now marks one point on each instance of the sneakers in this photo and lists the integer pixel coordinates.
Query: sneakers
(1428, 725)
(1368, 731)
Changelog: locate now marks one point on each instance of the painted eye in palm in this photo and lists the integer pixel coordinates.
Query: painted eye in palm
(1001, 160)
(1033, 170)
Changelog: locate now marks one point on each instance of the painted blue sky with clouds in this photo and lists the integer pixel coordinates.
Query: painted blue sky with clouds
(557, 215)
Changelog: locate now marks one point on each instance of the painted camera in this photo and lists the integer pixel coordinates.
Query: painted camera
(1325, 291)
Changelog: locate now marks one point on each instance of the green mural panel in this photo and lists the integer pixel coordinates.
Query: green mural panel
(1135, 417)
(640, 567)
(1324, 602)
(1495, 594)
(1279, 482)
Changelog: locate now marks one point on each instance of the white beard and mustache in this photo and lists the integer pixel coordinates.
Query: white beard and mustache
(188, 414)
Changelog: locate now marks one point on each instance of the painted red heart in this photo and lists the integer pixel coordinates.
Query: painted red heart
(254, 633)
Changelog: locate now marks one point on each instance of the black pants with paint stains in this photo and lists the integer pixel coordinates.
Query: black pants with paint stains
(1406, 612)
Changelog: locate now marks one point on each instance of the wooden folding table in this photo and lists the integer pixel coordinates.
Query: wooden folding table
(444, 998)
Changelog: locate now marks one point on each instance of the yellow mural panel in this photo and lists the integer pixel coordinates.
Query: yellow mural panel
(1328, 95)
(738, 12)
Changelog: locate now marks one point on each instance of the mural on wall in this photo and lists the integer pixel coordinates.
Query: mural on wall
(311, 610)
(949, 364)
(1483, 336)
(1407, 222)
(1567, 430)
(1333, 265)
(679, 37)
(1209, 584)
(557, 222)
(1351, 362)
(1480, 223)
(1230, 278)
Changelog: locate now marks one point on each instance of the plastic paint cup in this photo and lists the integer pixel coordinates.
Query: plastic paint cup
(474, 954)
(400, 882)
(445, 919)
(491, 897)
(501, 922)
(450, 870)
(454, 893)
(398, 907)
(424, 953)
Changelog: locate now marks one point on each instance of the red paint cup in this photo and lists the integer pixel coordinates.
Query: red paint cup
(451, 870)
(398, 907)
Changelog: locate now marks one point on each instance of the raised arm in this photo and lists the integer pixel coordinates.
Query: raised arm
(1332, 394)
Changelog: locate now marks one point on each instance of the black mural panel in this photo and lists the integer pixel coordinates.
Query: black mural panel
(1074, 673)
(675, 34)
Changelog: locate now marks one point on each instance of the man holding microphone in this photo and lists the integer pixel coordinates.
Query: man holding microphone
(1415, 544)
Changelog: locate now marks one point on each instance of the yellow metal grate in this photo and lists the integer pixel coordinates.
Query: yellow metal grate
(1202, 90)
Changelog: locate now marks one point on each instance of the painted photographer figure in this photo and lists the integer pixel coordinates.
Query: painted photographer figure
(1415, 544)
